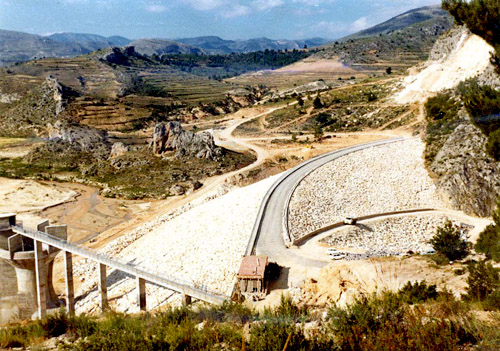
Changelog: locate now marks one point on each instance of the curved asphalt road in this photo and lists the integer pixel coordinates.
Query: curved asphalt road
(268, 228)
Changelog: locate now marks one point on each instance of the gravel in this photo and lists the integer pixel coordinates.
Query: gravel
(201, 245)
(380, 179)
(393, 236)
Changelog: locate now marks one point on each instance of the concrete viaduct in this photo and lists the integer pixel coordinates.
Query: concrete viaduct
(32, 254)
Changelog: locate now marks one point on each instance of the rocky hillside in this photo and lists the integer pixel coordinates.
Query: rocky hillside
(160, 47)
(216, 45)
(422, 14)
(19, 47)
(90, 42)
(399, 43)
(459, 72)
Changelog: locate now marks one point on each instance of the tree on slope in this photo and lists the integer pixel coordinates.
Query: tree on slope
(448, 242)
(489, 239)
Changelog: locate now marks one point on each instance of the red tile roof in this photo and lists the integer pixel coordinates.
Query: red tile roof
(253, 267)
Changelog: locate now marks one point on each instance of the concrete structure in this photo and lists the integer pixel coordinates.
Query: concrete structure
(252, 277)
(34, 251)
(32, 260)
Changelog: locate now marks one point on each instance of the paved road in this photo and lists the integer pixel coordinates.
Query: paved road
(268, 228)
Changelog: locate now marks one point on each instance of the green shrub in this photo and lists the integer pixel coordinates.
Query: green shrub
(482, 102)
(317, 102)
(442, 119)
(493, 145)
(385, 323)
(417, 292)
(489, 239)
(441, 106)
(448, 242)
(483, 283)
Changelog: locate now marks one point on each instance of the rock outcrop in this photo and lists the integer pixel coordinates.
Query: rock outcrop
(118, 149)
(171, 136)
(29, 115)
(468, 178)
(85, 138)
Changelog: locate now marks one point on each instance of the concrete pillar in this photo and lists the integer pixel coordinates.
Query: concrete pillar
(141, 293)
(186, 299)
(70, 290)
(41, 280)
(103, 287)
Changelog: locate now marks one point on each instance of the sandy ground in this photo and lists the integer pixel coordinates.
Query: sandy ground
(448, 73)
(314, 65)
(26, 197)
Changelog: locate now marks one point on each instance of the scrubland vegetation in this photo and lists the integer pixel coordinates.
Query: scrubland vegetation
(418, 317)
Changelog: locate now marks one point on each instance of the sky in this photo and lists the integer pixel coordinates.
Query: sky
(229, 19)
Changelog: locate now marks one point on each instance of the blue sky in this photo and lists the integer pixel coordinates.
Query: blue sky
(229, 19)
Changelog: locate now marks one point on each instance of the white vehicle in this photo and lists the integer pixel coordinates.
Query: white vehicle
(335, 254)
(350, 221)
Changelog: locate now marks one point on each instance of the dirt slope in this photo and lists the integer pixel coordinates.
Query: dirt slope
(469, 58)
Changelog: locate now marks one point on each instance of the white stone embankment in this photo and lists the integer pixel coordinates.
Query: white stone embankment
(201, 245)
(380, 179)
(392, 236)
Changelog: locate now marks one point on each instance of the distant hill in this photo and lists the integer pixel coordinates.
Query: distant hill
(217, 45)
(401, 21)
(160, 47)
(91, 42)
(19, 46)
(399, 43)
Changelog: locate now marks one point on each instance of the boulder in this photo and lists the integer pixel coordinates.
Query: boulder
(117, 150)
(83, 137)
(177, 190)
(171, 136)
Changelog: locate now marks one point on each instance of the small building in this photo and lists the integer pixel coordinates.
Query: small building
(252, 277)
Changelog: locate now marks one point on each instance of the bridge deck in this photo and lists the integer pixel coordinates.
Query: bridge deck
(63, 245)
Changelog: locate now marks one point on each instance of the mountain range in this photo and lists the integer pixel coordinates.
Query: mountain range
(19, 46)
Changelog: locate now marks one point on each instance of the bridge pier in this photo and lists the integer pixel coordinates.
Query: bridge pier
(186, 300)
(41, 280)
(103, 287)
(141, 293)
(70, 289)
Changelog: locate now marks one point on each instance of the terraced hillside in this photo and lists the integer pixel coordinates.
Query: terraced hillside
(96, 114)
(399, 43)
(352, 107)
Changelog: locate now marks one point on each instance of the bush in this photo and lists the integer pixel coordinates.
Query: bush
(493, 145)
(417, 292)
(441, 106)
(448, 242)
(317, 102)
(385, 323)
(483, 283)
(489, 239)
(442, 119)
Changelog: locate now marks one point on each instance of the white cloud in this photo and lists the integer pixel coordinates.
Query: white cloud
(233, 8)
(264, 5)
(156, 8)
(313, 2)
(360, 24)
(333, 29)
(330, 28)
(236, 11)
(205, 5)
